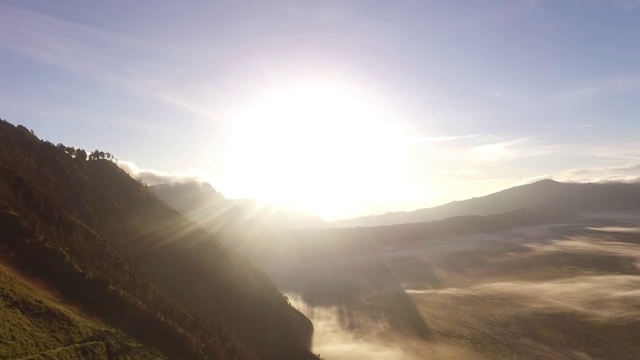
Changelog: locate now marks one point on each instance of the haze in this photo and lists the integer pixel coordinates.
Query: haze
(343, 108)
(320, 179)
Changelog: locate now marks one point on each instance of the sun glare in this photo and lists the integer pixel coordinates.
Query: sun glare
(316, 146)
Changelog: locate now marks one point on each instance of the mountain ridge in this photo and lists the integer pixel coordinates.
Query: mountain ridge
(112, 249)
(202, 203)
(578, 197)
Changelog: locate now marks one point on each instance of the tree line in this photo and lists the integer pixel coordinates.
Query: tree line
(81, 154)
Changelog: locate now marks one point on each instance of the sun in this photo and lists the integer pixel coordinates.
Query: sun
(317, 146)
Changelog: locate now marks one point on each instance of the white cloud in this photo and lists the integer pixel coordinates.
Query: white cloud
(506, 150)
(628, 173)
(154, 177)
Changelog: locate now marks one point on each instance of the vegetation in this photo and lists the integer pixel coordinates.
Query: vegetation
(35, 325)
(111, 249)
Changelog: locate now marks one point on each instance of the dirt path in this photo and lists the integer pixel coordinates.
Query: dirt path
(75, 348)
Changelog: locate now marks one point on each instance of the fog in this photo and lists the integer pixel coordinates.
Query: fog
(558, 291)
(333, 341)
(632, 230)
(593, 246)
(603, 298)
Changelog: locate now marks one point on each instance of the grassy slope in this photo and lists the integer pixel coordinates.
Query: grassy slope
(110, 247)
(36, 325)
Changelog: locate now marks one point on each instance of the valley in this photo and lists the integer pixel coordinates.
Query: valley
(566, 290)
(556, 280)
(320, 180)
(93, 253)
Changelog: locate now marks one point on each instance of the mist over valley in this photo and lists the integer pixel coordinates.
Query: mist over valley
(319, 180)
(548, 282)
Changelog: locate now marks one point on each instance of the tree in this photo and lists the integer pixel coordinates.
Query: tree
(71, 151)
(81, 155)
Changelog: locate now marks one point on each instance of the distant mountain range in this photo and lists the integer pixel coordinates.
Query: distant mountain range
(203, 204)
(571, 197)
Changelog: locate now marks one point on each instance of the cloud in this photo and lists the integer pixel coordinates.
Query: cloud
(618, 229)
(333, 341)
(506, 150)
(606, 298)
(610, 298)
(449, 138)
(154, 177)
(629, 173)
(582, 245)
(80, 49)
(533, 179)
(123, 62)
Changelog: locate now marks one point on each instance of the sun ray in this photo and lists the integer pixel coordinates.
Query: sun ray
(311, 145)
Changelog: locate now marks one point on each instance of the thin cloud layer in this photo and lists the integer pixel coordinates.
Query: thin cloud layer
(629, 173)
(126, 63)
(585, 245)
(600, 297)
(603, 298)
(335, 342)
(609, 298)
(154, 177)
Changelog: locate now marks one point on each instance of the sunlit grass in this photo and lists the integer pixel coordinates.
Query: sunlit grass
(35, 325)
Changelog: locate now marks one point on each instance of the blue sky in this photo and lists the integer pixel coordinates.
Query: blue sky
(344, 107)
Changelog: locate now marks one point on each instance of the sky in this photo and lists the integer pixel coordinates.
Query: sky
(345, 108)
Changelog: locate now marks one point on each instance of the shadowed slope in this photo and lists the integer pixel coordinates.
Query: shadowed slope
(111, 247)
(202, 203)
(34, 324)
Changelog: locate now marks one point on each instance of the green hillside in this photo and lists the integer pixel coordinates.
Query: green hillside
(110, 248)
(36, 325)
